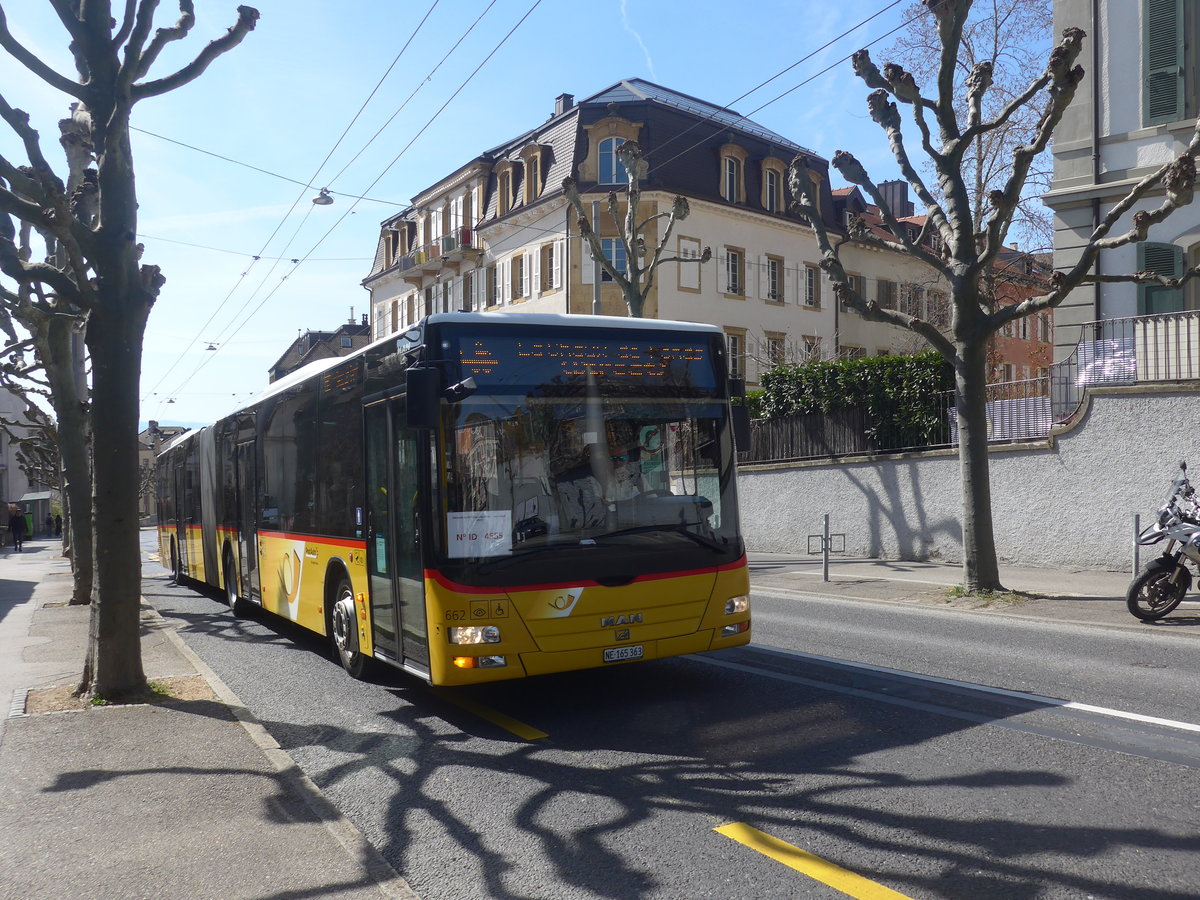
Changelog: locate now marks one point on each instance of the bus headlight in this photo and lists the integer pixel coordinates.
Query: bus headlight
(475, 634)
(480, 662)
(736, 605)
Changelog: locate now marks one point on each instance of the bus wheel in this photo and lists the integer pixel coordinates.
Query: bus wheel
(344, 630)
(237, 605)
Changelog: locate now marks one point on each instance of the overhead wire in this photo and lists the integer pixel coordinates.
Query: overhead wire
(379, 177)
(300, 196)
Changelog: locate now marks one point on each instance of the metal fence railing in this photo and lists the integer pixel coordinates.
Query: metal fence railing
(1132, 350)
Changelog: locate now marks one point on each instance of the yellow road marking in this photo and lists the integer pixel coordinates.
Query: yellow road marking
(508, 723)
(813, 866)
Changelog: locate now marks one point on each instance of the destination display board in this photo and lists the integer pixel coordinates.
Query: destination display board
(494, 360)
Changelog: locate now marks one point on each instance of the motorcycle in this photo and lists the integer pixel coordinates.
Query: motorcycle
(1162, 584)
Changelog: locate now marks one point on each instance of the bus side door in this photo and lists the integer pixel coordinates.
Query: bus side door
(394, 491)
(246, 477)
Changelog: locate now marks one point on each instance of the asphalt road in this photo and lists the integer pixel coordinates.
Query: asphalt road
(924, 785)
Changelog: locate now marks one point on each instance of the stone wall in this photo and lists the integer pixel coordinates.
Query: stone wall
(1067, 501)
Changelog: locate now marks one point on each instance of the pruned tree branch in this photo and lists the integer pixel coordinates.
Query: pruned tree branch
(247, 19)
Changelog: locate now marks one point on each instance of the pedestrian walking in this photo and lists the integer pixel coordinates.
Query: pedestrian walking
(58, 526)
(16, 525)
(49, 525)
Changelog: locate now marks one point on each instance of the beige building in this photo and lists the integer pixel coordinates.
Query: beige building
(497, 234)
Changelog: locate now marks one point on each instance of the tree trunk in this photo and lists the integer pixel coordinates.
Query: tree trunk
(113, 667)
(69, 407)
(980, 568)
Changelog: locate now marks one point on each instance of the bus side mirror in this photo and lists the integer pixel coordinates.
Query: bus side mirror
(424, 386)
(740, 412)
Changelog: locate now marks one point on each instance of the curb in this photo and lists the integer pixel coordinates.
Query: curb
(390, 883)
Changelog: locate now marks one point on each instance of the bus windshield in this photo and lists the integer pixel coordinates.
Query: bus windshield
(614, 450)
(631, 475)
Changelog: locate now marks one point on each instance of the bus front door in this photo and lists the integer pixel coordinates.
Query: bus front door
(245, 467)
(394, 563)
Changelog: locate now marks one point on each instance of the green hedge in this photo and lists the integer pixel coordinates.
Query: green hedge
(900, 395)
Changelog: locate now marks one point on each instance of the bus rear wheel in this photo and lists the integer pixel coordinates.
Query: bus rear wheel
(237, 605)
(343, 630)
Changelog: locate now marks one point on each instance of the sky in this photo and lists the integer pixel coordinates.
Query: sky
(379, 99)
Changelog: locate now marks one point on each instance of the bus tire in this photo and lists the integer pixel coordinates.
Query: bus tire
(237, 605)
(343, 630)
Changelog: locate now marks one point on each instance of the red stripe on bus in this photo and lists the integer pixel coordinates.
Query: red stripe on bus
(434, 575)
(314, 539)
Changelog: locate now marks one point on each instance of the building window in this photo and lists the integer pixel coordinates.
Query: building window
(520, 280)
(1044, 333)
(773, 190)
(733, 180)
(911, 297)
(1165, 64)
(614, 252)
(547, 268)
(533, 178)
(611, 169)
(812, 286)
(504, 191)
(489, 286)
(736, 345)
(812, 347)
(885, 294)
(395, 323)
(939, 310)
(735, 265)
(849, 351)
(773, 274)
(858, 286)
(1161, 259)
(775, 353)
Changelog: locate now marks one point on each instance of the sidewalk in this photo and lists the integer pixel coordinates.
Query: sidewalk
(1083, 597)
(181, 799)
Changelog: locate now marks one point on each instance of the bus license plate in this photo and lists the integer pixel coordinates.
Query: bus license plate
(620, 654)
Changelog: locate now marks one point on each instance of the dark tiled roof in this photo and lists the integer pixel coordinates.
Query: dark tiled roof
(636, 89)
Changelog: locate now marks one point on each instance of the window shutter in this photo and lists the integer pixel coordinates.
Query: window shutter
(506, 281)
(1162, 259)
(1162, 62)
(587, 266)
(789, 284)
(559, 252)
(535, 283)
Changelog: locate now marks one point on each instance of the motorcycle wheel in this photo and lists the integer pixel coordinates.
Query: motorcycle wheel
(1152, 596)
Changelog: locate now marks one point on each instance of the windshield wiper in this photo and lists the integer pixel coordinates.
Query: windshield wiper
(502, 561)
(675, 528)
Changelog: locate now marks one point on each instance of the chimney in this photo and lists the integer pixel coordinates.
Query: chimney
(563, 102)
(365, 322)
(896, 195)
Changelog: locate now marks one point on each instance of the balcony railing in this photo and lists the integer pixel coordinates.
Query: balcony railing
(432, 253)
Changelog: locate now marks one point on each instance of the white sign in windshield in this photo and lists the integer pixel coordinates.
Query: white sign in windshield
(471, 535)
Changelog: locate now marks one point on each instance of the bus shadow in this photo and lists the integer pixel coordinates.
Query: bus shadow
(632, 749)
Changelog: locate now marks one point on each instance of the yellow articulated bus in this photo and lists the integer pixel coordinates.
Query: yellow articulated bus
(482, 497)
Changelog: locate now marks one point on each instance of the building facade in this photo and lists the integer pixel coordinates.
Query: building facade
(310, 346)
(1135, 110)
(498, 234)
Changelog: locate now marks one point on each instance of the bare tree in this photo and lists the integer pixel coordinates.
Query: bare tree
(637, 280)
(99, 272)
(972, 243)
(1012, 37)
(54, 330)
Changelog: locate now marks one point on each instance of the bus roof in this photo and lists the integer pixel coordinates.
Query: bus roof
(557, 320)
